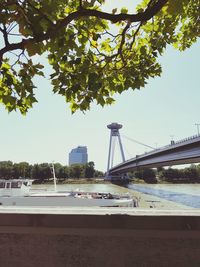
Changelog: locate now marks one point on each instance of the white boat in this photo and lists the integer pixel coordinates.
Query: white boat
(18, 193)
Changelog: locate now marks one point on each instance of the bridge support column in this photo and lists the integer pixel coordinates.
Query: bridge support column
(114, 134)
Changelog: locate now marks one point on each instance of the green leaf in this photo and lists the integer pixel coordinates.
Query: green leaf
(114, 10)
(124, 10)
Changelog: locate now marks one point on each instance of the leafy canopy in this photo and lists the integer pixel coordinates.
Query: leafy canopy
(93, 54)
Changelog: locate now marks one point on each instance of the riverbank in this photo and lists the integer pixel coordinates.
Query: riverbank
(74, 181)
(99, 181)
(146, 201)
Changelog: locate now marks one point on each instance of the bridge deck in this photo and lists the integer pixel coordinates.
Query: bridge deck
(182, 152)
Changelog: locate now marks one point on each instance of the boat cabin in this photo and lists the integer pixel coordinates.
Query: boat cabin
(17, 187)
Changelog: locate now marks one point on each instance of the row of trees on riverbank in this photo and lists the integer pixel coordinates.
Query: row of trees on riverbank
(172, 175)
(43, 171)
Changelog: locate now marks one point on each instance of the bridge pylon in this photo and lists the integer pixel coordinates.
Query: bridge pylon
(114, 133)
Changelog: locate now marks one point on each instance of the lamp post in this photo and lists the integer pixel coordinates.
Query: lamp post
(197, 124)
(172, 139)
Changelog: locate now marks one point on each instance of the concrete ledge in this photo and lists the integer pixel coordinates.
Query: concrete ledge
(101, 219)
(98, 237)
(98, 211)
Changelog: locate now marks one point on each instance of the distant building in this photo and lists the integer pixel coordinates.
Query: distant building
(78, 155)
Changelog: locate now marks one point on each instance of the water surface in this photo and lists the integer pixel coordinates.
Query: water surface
(185, 194)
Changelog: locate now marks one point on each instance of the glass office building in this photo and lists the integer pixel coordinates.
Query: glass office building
(78, 155)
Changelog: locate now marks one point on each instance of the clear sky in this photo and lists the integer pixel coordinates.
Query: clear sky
(168, 106)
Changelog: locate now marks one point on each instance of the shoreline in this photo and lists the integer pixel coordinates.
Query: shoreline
(101, 181)
(147, 201)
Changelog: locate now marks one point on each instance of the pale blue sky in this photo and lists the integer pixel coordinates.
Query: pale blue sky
(168, 105)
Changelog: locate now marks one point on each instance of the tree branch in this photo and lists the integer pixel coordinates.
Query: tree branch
(151, 11)
(10, 47)
(41, 13)
(80, 4)
(134, 36)
(123, 40)
(5, 35)
(140, 17)
(52, 32)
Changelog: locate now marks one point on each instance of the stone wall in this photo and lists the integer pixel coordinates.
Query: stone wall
(64, 239)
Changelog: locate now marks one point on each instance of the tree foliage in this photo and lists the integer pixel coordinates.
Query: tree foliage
(189, 175)
(89, 170)
(186, 175)
(43, 171)
(93, 54)
(146, 174)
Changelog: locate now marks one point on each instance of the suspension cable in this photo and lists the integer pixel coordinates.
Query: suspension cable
(127, 152)
(135, 141)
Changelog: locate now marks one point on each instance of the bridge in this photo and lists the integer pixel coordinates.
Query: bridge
(181, 152)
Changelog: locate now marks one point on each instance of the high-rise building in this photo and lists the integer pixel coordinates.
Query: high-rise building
(78, 155)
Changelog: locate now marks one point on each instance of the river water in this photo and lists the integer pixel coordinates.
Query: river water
(186, 194)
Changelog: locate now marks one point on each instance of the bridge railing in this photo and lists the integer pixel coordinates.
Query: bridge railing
(187, 139)
(174, 143)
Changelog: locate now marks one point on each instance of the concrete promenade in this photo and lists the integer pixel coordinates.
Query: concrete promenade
(119, 237)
